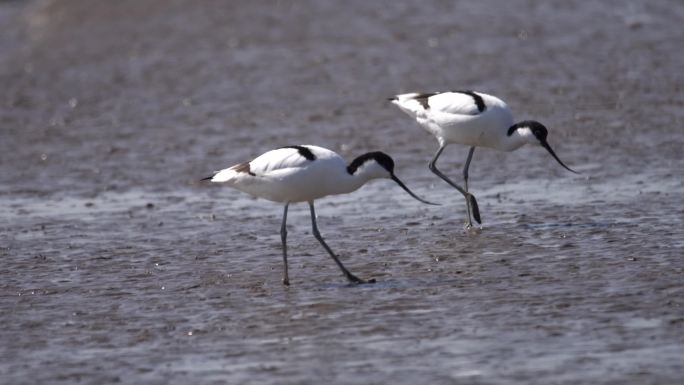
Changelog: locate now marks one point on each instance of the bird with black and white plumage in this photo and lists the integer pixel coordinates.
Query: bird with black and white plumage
(304, 173)
(473, 119)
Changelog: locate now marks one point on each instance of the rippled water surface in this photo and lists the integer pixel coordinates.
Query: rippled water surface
(118, 266)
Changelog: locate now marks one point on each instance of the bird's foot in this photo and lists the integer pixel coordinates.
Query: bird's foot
(469, 228)
(472, 229)
(286, 281)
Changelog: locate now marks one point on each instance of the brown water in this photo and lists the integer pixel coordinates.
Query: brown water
(117, 266)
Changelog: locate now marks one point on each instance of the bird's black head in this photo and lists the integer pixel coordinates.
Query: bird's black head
(532, 128)
(384, 160)
(378, 165)
(538, 130)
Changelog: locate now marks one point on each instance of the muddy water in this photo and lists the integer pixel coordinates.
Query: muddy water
(117, 266)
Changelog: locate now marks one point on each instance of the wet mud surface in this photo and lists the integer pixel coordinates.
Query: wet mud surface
(119, 266)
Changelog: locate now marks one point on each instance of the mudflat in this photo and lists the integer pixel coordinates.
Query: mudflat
(118, 265)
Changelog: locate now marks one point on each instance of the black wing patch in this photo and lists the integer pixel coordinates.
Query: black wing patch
(479, 102)
(303, 151)
(423, 99)
(244, 167)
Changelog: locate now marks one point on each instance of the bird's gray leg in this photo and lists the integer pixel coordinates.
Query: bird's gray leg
(469, 198)
(283, 238)
(351, 277)
(474, 209)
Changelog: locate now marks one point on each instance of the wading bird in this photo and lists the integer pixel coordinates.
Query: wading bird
(474, 119)
(302, 174)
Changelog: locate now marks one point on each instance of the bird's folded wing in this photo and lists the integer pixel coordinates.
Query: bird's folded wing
(280, 159)
(456, 103)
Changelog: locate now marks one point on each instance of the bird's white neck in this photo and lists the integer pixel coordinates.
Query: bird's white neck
(517, 139)
(361, 176)
(358, 179)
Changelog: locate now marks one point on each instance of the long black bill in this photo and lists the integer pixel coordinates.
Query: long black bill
(402, 185)
(548, 148)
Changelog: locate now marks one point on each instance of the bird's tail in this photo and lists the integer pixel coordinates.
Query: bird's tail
(413, 103)
(410, 96)
(221, 176)
(403, 97)
(228, 174)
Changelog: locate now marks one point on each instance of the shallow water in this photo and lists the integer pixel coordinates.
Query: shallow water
(118, 266)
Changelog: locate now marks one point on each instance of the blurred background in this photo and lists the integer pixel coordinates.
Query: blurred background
(119, 266)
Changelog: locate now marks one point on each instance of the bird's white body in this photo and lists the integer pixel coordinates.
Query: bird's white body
(474, 119)
(285, 175)
(454, 117)
(305, 173)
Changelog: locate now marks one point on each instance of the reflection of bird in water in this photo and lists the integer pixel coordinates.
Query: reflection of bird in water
(303, 174)
(474, 119)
